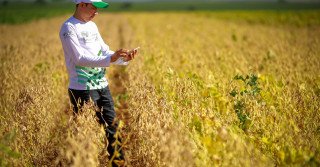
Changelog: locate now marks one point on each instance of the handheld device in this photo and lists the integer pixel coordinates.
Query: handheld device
(135, 49)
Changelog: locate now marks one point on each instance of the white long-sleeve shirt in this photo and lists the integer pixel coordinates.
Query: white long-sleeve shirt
(86, 55)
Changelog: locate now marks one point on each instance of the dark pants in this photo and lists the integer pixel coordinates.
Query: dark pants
(103, 99)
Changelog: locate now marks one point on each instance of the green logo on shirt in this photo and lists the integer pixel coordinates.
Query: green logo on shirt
(92, 77)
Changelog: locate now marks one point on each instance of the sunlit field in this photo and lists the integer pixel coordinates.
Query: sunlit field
(206, 89)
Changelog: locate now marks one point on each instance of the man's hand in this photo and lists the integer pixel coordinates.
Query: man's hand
(130, 55)
(126, 54)
(118, 54)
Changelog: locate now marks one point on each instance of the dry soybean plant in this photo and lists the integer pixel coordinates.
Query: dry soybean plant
(176, 93)
(191, 71)
(84, 140)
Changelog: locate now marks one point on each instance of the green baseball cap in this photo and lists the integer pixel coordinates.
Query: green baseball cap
(96, 3)
(100, 4)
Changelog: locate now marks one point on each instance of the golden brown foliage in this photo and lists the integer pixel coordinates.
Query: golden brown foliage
(190, 60)
(173, 98)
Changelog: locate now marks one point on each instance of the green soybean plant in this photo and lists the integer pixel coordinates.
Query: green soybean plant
(243, 97)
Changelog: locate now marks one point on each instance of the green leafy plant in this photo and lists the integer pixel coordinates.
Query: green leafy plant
(249, 92)
(5, 150)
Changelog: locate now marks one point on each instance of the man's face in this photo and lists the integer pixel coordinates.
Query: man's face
(89, 11)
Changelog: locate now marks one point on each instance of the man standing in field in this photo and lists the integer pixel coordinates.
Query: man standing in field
(86, 57)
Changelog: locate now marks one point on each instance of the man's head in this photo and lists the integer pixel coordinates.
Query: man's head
(88, 9)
